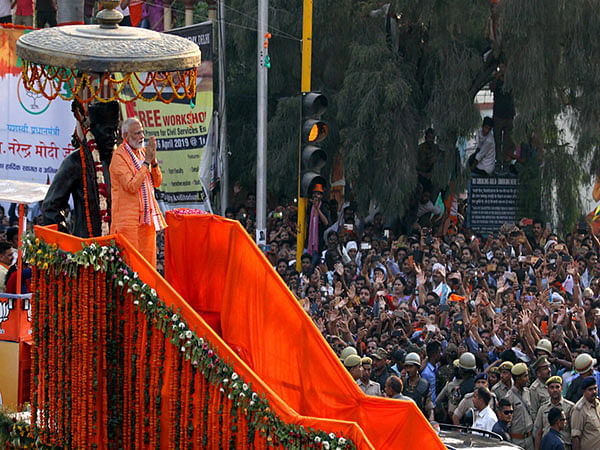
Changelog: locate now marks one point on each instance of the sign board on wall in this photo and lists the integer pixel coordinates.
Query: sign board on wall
(492, 202)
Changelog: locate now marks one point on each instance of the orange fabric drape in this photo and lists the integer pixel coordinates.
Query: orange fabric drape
(167, 294)
(213, 263)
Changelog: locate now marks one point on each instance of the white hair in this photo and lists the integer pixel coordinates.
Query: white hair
(127, 123)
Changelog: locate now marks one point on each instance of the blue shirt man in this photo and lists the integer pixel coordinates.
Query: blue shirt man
(552, 440)
(434, 353)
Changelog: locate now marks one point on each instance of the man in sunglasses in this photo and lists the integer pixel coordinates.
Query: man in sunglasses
(505, 415)
(553, 439)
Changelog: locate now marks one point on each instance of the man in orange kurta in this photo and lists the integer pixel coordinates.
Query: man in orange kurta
(134, 174)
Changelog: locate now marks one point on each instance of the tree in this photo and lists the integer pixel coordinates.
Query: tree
(386, 90)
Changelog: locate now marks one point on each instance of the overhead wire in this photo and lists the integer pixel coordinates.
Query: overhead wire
(274, 31)
(271, 28)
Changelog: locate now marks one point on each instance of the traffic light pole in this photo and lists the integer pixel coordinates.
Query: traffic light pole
(261, 128)
(305, 87)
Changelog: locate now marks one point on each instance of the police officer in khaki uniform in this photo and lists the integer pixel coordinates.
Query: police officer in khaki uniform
(542, 425)
(502, 387)
(538, 390)
(585, 418)
(521, 428)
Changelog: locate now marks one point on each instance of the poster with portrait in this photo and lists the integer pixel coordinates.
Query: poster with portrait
(35, 133)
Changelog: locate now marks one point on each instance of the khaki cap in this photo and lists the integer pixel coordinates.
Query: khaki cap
(347, 352)
(506, 365)
(352, 361)
(584, 362)
(544, 345)
(519, 369)
(413, 358)
(542, 361)
(554, 379)
(380, 353)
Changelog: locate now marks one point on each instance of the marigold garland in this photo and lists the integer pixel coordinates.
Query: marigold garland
(98, 376)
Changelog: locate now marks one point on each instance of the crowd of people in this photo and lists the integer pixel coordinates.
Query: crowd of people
(496, 332)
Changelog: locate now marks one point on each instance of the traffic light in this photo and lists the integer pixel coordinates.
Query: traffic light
(314, 131)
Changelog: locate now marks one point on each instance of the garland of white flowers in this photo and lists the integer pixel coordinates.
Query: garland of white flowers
(202, 354)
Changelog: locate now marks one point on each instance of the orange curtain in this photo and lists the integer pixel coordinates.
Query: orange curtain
(346, 427)
(213, 263)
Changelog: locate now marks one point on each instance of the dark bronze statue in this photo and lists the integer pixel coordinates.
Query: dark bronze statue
(94, 144)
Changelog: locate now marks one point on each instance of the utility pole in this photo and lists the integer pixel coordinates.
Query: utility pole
(223, 152)
(304, 87)
(261, 126)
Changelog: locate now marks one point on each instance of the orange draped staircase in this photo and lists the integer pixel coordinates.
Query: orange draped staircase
(121, 360)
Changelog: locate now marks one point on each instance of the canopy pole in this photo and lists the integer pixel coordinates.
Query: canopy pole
(20, 242)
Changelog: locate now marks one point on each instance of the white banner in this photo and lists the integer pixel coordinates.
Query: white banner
(35, 134)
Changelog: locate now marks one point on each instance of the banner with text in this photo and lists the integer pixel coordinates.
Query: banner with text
(492, 202)
(35, 134)
(182, 130)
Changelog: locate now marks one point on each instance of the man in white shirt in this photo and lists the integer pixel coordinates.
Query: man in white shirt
(485, 155)
(484, 417)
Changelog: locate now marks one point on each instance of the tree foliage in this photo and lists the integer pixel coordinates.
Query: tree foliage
(384, 91)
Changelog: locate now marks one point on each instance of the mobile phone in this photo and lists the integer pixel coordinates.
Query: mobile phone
(365, 246)
(418, 256)
(522, 258)
(491, 267)
(538, 263)
(411, 260)
(386, 234)
(567, 259)
(348, 227)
